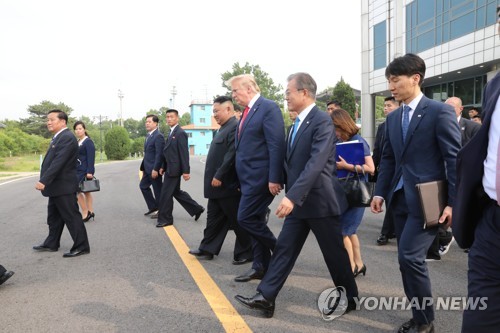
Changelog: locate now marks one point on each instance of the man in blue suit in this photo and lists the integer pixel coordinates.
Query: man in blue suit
(260, 151)
(476, 214)
(422, 139)
(151, 164)
(312, 201)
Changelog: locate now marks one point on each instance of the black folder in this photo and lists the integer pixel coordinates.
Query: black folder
(433, 199)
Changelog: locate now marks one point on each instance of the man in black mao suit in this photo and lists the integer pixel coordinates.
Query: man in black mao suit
(260, 152)
(476, 214)
(59, 182)
(221, 187)
(313, 201)
(151, 164)
(422, 140)
(175, 163)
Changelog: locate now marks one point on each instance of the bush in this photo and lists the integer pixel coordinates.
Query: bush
(117, 146)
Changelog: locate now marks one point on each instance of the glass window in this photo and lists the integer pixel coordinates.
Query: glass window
(190, 135)
(379, 45)
(202, 133)
(202, 120)
(465, 90)
(480, 18)
(462, 26)
(491, 13)
(425, 41)
(425, 10)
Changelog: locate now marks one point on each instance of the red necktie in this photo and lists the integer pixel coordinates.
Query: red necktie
(245, 113)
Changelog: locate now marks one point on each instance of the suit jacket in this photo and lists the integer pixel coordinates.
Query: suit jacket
(428, 154)
(153, 150)
(468, 128)
(86, 157)
(378, 148)
(58, 172)
(175, 160)
(260, 147)
(220, 163)
(309, 166)
(471, 198)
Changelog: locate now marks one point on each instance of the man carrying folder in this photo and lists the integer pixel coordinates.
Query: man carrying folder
(422, 139)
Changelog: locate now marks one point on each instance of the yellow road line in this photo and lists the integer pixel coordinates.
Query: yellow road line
(223, 309)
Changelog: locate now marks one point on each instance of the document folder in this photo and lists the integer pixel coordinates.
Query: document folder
(352, 152)
(433, 198)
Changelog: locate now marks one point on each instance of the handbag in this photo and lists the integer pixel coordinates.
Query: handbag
(90, 185)
(359, 193)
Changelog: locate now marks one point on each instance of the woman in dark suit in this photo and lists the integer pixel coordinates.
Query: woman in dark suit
(85, 168)
(346, 130)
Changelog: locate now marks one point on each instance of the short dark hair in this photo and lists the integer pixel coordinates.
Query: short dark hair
(407, 65)
(223, 99)
(335, 102)
(60, 114)
(172, 111)
(153, 117)
(390, 99)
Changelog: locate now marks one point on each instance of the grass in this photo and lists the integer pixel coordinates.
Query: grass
(28, 163)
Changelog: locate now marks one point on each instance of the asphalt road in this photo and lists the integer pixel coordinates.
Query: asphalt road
(134, 280)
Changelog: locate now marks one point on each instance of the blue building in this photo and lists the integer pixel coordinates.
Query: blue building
(200, 131)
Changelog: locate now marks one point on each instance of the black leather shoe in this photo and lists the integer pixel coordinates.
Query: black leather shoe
(161, 225)
(197, 216)
(200, 254)
(5, 276)
(241, 261)
(154, 216)
(382, 239)
(151, 211)
(258, 302)
(75, 253)
(422, 328)
(41, 248)
(407, 326)
(252, 274)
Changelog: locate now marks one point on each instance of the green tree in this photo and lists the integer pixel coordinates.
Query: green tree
(185, 119)
(268, 88)
(132, 126)
(343, 93)
(36, 123)
(117, 143)
(137, 146)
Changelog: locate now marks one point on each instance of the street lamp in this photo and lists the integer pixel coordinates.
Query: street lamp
(100, 128)
(120, 96)
(173, 92)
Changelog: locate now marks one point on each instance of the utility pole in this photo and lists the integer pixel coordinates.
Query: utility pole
(174, 93)
(101, 118)
(120, 96)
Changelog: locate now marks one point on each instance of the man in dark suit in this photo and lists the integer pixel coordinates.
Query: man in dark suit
(422, 140)
(175, 163)
(151, 164)
(59, 182)
(260, 151)
(387, 232)
(476, 213)
(5, 274)
(222, 190)
(311, 202)
(468, 129)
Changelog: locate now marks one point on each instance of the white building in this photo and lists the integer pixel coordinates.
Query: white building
(457, 39)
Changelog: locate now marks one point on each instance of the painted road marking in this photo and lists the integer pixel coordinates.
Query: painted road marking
(223, 309)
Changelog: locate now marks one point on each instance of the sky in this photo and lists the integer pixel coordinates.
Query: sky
(82, 53)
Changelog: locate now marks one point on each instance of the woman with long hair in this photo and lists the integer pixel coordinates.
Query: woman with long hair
(85, 168)
(346, 130)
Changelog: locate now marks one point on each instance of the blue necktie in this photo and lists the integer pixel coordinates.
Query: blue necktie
(295, 128)
(404, 126)
(406, 121)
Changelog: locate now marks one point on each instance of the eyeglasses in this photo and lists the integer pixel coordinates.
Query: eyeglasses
(288, 92)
